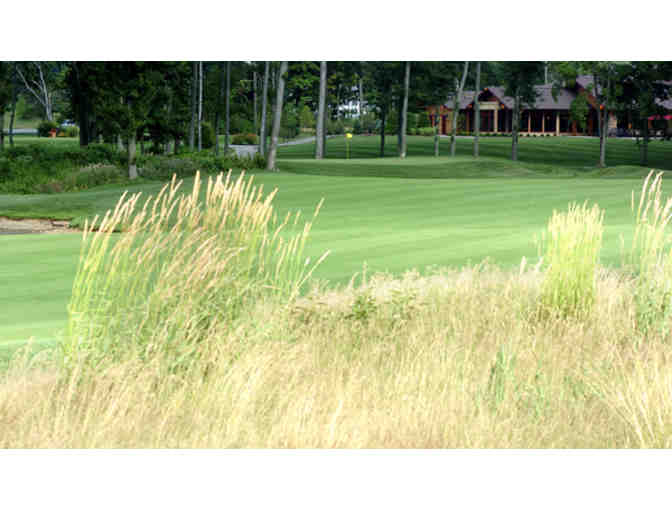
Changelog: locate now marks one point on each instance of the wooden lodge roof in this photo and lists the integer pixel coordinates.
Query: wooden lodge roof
(544, 101)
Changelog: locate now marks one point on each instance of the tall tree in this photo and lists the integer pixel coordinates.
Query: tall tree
(264, 103)
(227, 113)
(319, 133)
(40, 79)
(219, 105)
(277, 117)
(194, 96)
(381, 78)
(645, 86)
(12, 115)
(200, 106)
(404, 109)
(5, 97)
(519, 79)
(254, 101)
(477, 109)
(459, 88)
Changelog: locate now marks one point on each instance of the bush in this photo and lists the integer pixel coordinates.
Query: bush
(423, 120)
(426, 131)
(207, 135)
(70, 132)
(245, 139)
(45, 127)
(28, 168)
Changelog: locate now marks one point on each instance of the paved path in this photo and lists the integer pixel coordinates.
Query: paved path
(251, 150)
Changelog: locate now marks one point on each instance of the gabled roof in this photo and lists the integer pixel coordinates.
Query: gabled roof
(544, 101)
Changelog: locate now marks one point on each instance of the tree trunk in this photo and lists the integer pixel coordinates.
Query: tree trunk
(404, 114)
(319, 133)
(132, 168)
(456, 109)
(325, 131)
(219, 106)
(383, 116)
(603, 137)
(277, 117)
(254, 99)
(194, 92)
(200, 106)
(515, 127)
(361, 99)
(477, 109)
(437, 119)
(264, 102)
(120, 144)
(227, 112)
(12, 116)
(644, 146)
(2, 130)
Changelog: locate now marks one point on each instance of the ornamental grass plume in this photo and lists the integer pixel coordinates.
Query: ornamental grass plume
(181, 269)
(573, 241)
(651, 253)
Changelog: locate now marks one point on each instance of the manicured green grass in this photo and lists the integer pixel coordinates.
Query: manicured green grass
(445, 218)
(546, 155)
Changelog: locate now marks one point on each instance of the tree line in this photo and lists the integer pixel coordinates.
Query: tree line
(174, 106)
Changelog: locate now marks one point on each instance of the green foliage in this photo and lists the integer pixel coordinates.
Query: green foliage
(335, 127)
(423, 120)
(307, 117)
(160, 167)
(578, 111)
(29, 168)
(44, 128)
(245, 139)
(426, 131)
(392, 123)
(207, 135)
(71, 131)
(363, 307)
(240, 124)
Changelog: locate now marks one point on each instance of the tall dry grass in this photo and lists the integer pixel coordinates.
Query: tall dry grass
(181, 270)
(650, 256)
(455, 359)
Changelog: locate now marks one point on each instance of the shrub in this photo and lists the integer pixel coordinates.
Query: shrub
(245, 139)
(572, 241)
(180, 272)
(45, 127)
(207, 135)
(426, 131)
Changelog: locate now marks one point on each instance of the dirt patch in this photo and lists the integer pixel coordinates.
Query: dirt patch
(34, 226)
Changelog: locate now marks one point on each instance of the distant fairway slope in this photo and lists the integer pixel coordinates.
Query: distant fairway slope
(425, 167)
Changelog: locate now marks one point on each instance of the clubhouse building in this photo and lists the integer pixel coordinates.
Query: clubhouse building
(548, 116)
